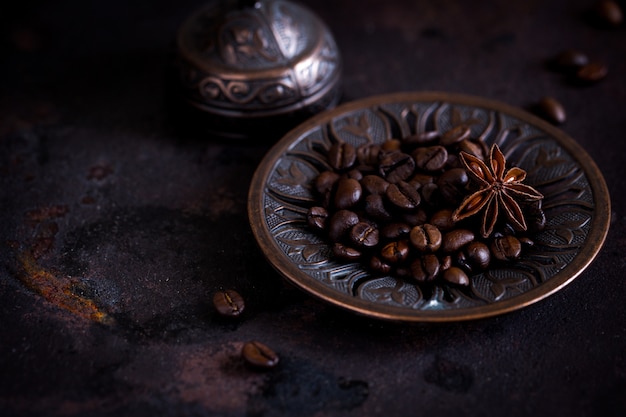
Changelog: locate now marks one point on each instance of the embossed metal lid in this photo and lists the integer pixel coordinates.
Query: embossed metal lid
(250, 65)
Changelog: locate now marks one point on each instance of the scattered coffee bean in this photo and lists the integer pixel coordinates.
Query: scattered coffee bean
(552, 110)
(228, 303)
(591, 73)
(608, 13)
(569, 60)
(456, 275)
(259, 355)
(425, 238)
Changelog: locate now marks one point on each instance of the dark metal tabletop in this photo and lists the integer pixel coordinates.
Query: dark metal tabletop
(119, 225)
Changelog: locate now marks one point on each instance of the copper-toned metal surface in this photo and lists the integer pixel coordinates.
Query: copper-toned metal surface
(118, 226)
(241, 63)
(576, 203)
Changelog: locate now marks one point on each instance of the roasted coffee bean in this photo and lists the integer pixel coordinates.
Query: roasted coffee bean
(431, 158)
(506, 248)
(455, 135)
(341, 156)
(340, 222)
(379, 266)
(456, 239)
(421, 139)
(608, 13)
(395, 231)
(452, 185)
(317, 217)
(364, 234)
(420, 180)
(354, 174)
(453, 161)
(471, 147)
(442, 219)
(395, 252)
(259, 355)
(348, 193)
(373, 184)
(456, 275)
(403, 195)
(347, 253)
(425, 238)
(402, 272)
(375, 208)
(396, 166)
(430, 193)
(477, 255)
(592, 72)
(569, 60)
(446, 262)
(552, 110)
(525, 241)
(535, 219)
(228, 303)
(391, 145)
(414, 218)
(368, 154)
(425, 268)
(326, 181)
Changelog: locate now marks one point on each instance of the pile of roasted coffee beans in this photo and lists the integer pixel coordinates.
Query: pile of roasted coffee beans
(390, 205)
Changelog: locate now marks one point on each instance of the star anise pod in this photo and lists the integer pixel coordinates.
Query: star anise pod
(499, 192)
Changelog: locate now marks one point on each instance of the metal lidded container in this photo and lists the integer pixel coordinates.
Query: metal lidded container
(256, 68)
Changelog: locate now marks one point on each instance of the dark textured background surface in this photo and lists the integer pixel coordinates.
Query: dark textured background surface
(118, 226)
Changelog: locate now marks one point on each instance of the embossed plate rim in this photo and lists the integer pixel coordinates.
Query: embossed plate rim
(282, 264)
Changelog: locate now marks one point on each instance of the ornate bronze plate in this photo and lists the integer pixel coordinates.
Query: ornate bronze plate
(576, 204)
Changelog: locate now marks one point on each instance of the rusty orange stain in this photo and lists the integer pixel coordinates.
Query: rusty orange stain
(58, 290)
